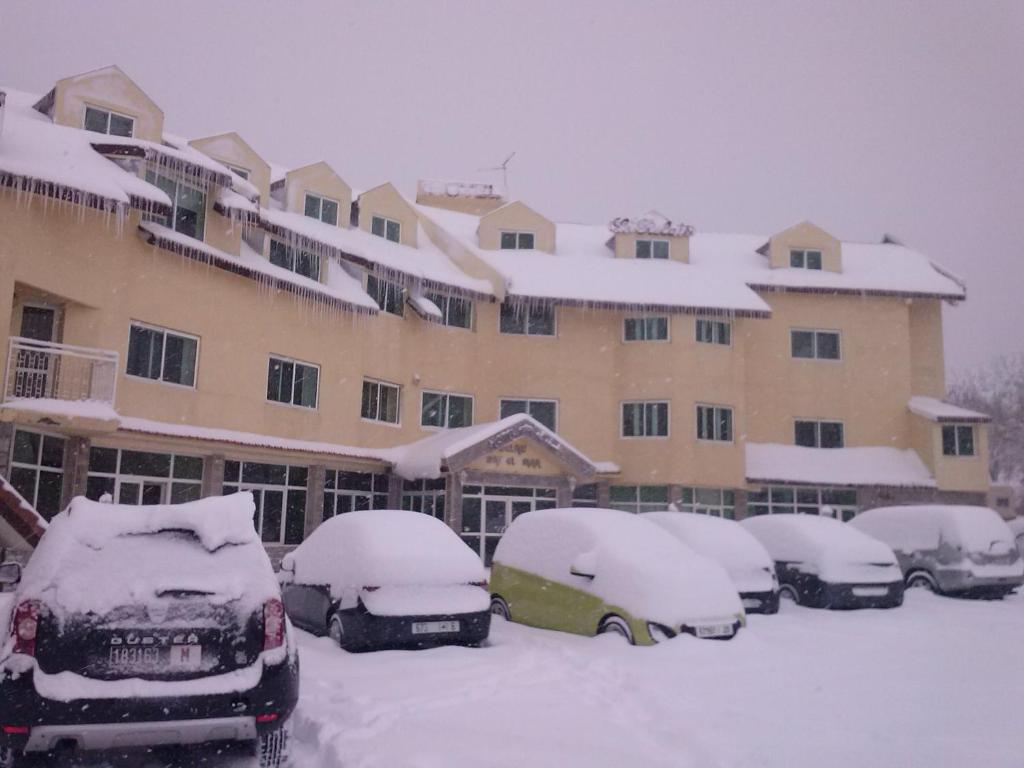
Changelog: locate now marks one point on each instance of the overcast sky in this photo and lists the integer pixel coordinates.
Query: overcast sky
(865, 118)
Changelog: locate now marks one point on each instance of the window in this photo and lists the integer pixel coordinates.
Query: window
(294, 260)
(517, 241)
(585, 495)
(645, 328)
(714, 331)
(802, 259)
(389, 229)
(652, 249)
(455, 312)
(280, 495)
(818, 434)
(820, 345)
(639, 498)
(544, 411)
(111, 123)
(714, 422)
(188, 206)
(348, 491)
(143, 477)
(440, 409)
(528, 319)
(957, 440)
(380, 401)
(162, 355)
(840, 503)
(426, 496)
(292, 382)
(241, 173)
(322, 208)
(37, 470)
(390, 297)
(645, 419)
(717, 502)
(488, 510)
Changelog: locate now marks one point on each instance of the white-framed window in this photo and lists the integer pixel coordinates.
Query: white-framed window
(162, 355)
(714, 422)
(815, 345)
(389, 229)
(455, 311)
(713, 331)
(652, 249)
(380, 401)
(527, 319)
(390, 297)
(544, 411)
(426, 496)
(349, 491)
(242, 173)
(716, 502)
(818, 434)
(103, 120)
(639, 498)
(807, 500)
(320, 207)
(295, 260)
(958, 440)
(653, 328)
(143, 477)
(188, 205)
(292, 382)
(517, 241)
(37, 470)
(445, 410)
(279, 491)
(801, 258)
(645, 418)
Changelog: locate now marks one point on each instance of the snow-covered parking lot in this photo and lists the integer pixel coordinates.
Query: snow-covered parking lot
(938, 682)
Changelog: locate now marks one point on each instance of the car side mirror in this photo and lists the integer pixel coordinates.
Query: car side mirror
(10, 574)
(584, 565)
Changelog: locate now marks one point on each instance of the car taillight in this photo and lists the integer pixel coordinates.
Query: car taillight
(481, 584)
(273, 624)
(25, 627)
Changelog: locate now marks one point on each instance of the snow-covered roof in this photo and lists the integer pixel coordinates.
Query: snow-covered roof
(81, 409)
(938, 410)
(871, 465)
(651, 223)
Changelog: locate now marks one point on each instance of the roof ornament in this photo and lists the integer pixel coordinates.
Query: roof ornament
(651, 223)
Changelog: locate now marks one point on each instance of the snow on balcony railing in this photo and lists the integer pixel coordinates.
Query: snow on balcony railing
(46, 370)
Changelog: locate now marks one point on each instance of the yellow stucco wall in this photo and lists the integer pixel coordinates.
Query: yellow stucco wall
(385, 200)
(110, 89)
(318, 179)
(516, 217)
(806, 235)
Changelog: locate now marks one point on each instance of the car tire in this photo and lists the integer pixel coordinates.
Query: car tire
(922, 580)
(789, 592)
(615, 625)
(336, 630)
(500, 608)
(272, 747)
(9, 757)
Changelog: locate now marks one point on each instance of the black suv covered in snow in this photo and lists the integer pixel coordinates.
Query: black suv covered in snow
(139, 627)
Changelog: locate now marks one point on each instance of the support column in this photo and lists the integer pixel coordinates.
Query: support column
(76, 469)
(675, 495)
(563, 493)
(394, 491)
(741, 504)
(604, 494)
(314, 498)
(453, 503)
(213, 475)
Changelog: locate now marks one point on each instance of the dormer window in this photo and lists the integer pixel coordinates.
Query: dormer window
(188, 211)
(322, 208)
(241, 173)
(111, 123)
(803, 259)
(517, 241)
(390, 297)
(294, 260)
(389, 229)
(652, 249)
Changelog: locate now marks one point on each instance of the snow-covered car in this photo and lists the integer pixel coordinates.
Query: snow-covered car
(136, 627)
(823, 563)
(387, 578)
(953, 550)
(1017, 526)
(594, 571)
(730, 545)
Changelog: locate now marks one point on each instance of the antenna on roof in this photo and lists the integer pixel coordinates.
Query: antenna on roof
(504, 172)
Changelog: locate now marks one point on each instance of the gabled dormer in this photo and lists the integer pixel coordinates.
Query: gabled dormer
(516, 226)
(385, 213)
(233, 151)
(104, 100)
(804, 246)
(315, 190)
(651, 236)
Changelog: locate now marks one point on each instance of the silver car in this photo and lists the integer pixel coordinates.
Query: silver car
(952, 550)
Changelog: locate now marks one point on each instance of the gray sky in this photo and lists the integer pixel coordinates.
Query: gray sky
(871, 117)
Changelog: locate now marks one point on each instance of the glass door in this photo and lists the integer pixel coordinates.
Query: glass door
(33, 376)
(488, 511)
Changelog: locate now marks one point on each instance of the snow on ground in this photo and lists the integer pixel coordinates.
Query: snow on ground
(935, 683)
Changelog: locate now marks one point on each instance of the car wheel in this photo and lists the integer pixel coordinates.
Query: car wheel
(273, 746)
(9, 758)
(789, 592)
(336, 631)
(500, 608)
(615, 625)
(922, 580)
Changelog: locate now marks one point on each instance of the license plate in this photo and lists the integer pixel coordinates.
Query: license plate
(433, 627)
(751, 602)
(134, 656)
(186, 656)
(715, 630)
(870, 591)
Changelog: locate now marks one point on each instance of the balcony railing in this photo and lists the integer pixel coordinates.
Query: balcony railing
(46, 370)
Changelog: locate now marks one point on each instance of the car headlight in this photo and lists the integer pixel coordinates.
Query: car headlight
(659, 632)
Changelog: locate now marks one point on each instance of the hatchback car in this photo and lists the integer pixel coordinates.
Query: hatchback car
(731, 546)
(138, 627)
(594, 571)
(823, 563)
(387, 578)
(953, 550)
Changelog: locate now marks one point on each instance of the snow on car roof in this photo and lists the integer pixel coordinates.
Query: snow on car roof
(726, 541)
(921, 526)
(814, 539)
(869, 465)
